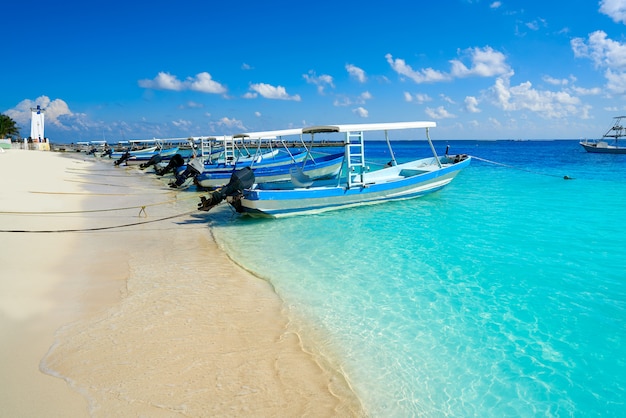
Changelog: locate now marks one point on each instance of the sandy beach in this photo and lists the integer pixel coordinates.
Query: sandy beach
(148, 319)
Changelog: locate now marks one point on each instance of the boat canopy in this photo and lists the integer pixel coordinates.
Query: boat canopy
(270, 134)
(369, 127)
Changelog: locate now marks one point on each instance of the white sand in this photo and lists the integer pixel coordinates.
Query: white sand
(147, 320)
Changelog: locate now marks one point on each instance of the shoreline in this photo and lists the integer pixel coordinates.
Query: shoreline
(197, 337)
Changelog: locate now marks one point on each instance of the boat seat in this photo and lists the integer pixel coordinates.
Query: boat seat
(410, 172)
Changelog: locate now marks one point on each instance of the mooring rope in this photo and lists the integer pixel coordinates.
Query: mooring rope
(141, 207)
(101, 228)
(521, 169)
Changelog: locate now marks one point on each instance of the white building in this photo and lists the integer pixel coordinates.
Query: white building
(39, 140)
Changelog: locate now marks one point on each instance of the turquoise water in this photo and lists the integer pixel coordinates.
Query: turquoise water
(504, 294)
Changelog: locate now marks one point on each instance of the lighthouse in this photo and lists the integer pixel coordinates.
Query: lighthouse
(36, 129)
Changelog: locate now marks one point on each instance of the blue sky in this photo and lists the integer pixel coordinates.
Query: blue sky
(481, 69)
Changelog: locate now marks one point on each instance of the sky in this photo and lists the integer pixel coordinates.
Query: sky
(481, 69)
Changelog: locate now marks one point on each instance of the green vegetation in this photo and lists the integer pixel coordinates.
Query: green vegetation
(8, 127)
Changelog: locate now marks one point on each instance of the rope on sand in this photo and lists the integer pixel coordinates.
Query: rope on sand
(102, 228)
(521, 169)
(142, 208)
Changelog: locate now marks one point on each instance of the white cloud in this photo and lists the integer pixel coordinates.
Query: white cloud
(342, 100)
(192, 105)
(181, 123)
(471, 104)
(427, 75)
(229, 124)
(361, 112)
(486, 62)
(555, 81)
(202, 82)
(587, 92)
(56, 111)
(616, 81)
(205, 84)
(495, 4)
(439, 113)
(547, 104)
(604, 53)
(321, 81)
(356, 72)
(420, 98)
(273, 92)
(615, 9)
(163, 81)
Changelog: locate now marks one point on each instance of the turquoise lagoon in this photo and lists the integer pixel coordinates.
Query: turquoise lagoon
(503, 295)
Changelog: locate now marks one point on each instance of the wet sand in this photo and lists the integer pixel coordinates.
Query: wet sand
(150, 319)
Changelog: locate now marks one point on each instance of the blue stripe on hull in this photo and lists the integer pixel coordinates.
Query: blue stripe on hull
(278, 203)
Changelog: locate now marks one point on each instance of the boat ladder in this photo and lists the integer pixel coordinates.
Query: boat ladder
(355, 158)
(229, 150)
(205, 148)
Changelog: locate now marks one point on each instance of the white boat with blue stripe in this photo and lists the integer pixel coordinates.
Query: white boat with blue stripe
(355, 187)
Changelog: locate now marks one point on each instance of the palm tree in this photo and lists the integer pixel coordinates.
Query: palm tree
(8, 127)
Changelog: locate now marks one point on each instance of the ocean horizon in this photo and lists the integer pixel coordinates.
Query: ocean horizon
(501, 295)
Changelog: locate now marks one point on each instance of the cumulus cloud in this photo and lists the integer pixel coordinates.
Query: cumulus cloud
(418, 97)
(547, 104)
(321, 81)
(228, 124)
(356, 73)
(484, 62)
(181, 123)
(361, 112)
(615, 9)
(471, 104)
(495, 4)
(342, 100)
(271, 92)
(439, 113)
(202, 82)
(555, 81)
(427, 75)
(56, 112)
(605, 54)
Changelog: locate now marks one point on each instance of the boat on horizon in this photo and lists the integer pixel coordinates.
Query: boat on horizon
(355, 186)
(608, 144)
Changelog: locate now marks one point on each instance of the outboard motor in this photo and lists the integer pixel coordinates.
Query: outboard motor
(176, 161)
(241, 179)
(123, 158)
(155, 159)
(194, 167)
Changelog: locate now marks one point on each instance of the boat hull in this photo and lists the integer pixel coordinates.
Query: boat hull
(320, 168)
(406, 181)
(608, 149)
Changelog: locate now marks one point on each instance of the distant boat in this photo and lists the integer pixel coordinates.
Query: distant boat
(355, 186)
(609, 144)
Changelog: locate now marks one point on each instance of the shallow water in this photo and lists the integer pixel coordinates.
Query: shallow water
(504, 294)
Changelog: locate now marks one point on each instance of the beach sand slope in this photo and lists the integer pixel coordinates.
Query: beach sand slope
(151, 319)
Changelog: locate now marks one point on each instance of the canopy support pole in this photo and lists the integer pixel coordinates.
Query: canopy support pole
(432, 147)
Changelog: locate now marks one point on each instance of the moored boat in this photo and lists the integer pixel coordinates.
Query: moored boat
(355, 187)
(324, 166)
(609, 143)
